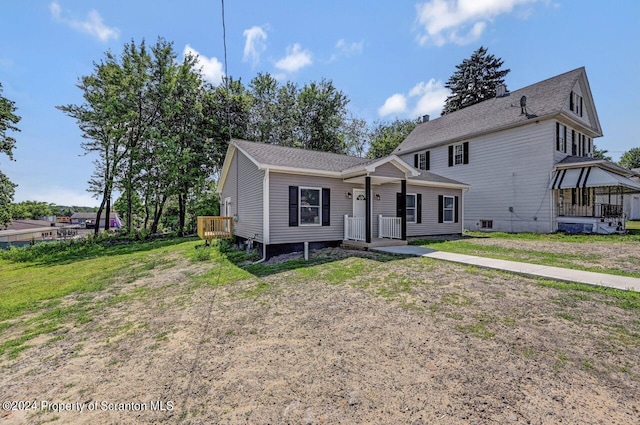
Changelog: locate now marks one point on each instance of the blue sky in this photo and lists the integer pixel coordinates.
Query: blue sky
(391, 58)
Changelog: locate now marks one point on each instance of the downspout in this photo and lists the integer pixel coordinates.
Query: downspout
(265, 216)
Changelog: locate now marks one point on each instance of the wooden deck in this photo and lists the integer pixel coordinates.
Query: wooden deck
(214, 227)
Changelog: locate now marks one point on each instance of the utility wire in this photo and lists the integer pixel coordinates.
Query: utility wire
(226, 72)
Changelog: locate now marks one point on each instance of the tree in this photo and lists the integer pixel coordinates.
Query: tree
(631, 158)
(386, 137)
(8, 121)
(601, 154)
(322, 113)
(31, 210)
(103, 120)
(475, 79)
(121, 206)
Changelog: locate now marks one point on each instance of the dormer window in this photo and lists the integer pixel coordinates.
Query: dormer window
(575, 103)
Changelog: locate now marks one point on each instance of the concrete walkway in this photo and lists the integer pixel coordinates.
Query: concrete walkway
(555, 273)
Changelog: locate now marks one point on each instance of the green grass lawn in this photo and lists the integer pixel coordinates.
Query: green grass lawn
(581, 258)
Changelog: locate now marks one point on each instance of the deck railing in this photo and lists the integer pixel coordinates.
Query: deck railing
(354, 228)
(595, 210)
(213, 227)
(389, 227)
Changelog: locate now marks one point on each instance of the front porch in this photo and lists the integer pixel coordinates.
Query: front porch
(591, 210)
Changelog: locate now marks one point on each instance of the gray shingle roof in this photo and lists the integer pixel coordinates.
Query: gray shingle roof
(545, 98)
(573, 159)
(430, 177)
(284, 156)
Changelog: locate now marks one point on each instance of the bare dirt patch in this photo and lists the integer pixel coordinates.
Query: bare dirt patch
(356, 340)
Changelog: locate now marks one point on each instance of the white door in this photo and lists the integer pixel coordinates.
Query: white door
(359, 203)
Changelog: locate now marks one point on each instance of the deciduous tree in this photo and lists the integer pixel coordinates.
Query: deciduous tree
(386, 137)
(8, 121)
(631, 158)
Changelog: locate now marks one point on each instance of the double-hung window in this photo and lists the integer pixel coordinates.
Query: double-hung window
(459, 154)
(448, 209)
(310, 206)
(411, 207)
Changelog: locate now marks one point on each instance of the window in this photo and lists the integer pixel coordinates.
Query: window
(561, 137)
(411, 207)
(459, 154)
(310, 206)
(486, 224)
(575, 103)
(421, 160)
(448, 209)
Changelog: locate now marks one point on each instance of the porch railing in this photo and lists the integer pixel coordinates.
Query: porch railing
(389, 227)
(354, 228)
(213, 227)
(595, 210)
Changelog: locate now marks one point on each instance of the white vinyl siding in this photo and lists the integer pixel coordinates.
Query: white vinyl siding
(244, 188)
(510, 168)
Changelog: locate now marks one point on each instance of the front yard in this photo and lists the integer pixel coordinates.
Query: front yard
(349, 337)
(613, 254)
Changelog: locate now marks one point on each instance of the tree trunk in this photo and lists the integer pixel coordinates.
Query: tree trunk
(158, 214)
(106, 220)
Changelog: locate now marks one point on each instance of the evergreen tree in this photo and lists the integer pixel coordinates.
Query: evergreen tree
(476, 79)
(601, 154)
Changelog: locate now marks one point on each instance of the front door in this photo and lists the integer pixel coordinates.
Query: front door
(359, 203)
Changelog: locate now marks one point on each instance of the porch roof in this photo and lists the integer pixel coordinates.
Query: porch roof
(592, 176)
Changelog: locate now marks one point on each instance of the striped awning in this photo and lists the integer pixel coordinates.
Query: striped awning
(573, 178)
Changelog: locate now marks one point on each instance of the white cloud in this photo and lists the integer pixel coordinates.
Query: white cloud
(432, 96)
(459, 21)
(295, 60)
(430, 100)
(396, 104)
(344, 49)
(211, 68)
(254, 44)
(93, 25)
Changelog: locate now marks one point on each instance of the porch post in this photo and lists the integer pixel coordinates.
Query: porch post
(403, 206)
(367, 214)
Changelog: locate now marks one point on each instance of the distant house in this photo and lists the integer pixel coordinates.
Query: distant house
(20, 232)
(81, 219)
(281, 197)
(528, 155)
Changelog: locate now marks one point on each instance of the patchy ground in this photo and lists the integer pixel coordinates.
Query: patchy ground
(364, 339)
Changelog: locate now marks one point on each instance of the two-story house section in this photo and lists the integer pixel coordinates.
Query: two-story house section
(528, 156)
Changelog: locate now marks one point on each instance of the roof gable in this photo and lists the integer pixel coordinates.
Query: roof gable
(544, 99)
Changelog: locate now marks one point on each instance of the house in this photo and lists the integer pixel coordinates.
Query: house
(22, 232)
(82, 218)
(280, 197)
(528, 155)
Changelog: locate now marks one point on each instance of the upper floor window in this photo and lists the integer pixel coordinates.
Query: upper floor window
(561, 137)
(459, 154)
(422, 160)
(575, 103)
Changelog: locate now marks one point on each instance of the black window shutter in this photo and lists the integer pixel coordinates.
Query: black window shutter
(571, 101)
(580, 106)
(293, 206)
(428, 160)
(398, 204)
(415, 160)
(440, 209)
(451, 156)
(558, 136)
(419, 208)
(455, 208)
(465, 153)
(326, 206)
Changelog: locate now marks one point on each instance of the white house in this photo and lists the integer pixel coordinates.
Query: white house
(528, 155)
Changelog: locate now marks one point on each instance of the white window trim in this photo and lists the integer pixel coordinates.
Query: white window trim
(444, 209)
(319, 189)
(422, 160)
(455, 155)
(415, 208)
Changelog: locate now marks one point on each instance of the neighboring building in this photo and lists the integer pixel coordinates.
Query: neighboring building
(528, 157)
(81, 219)
(21, 232)
(281, 197)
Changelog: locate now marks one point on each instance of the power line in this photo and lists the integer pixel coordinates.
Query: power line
(226, 72)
